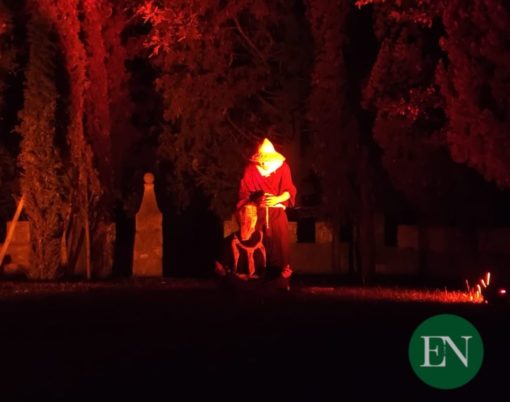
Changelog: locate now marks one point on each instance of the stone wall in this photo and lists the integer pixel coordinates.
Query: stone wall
(449, 252)
(446, 251)
(322, 256)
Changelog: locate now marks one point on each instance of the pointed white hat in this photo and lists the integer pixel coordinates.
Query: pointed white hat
(266, 153)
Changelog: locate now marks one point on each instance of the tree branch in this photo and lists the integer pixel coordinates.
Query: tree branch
(267, 103)
(250, 137)
(250, 43)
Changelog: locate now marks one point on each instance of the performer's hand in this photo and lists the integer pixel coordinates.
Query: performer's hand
(270, 200)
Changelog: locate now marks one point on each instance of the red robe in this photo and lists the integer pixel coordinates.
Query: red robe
(276, 237)
(276, 183)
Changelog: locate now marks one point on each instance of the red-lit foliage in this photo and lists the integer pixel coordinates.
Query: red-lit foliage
(44, 178)
(223, 74)
(97, 102)
(86, 100)
(225, 77)
(475, 83)
(120, 103)
(96, 14)
(335, 133)
(410, 116)
(408, 122)
(420, 12)
(85, 181)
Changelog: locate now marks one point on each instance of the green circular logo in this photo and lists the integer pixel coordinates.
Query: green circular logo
(446, 351)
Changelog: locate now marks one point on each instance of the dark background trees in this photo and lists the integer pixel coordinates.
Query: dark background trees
(474, 82)
(8, 66)
(399, 108)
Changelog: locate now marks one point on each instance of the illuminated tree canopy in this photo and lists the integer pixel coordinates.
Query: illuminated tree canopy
(95, 92)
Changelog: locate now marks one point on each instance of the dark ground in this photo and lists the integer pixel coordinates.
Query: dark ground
(181, 340)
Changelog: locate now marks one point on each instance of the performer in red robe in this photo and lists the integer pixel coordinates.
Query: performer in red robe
(267, 181)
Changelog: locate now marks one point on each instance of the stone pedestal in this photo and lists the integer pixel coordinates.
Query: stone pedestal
(148, 250)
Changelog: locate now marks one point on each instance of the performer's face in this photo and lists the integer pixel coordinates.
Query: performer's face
(266, 168)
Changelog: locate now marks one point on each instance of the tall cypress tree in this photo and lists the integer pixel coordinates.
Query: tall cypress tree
(85, 184)
(43, 172)
(98, 130)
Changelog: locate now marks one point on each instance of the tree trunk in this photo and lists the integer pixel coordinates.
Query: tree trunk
(103, 241)
(366, 237)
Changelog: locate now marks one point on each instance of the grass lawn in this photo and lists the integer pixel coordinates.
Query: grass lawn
(165, 339)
